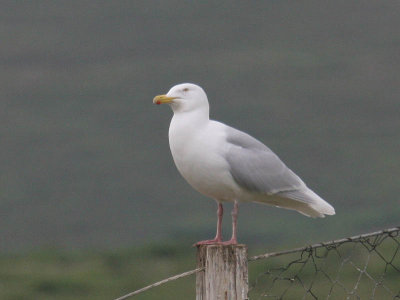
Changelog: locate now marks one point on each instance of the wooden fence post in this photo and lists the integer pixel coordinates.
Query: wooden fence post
(225, 276)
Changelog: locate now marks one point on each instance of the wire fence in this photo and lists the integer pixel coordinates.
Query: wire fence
(359, 267)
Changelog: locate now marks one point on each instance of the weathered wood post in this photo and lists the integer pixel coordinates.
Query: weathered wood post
(225, 276)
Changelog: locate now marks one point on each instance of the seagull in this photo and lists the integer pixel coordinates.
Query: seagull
(229, 165)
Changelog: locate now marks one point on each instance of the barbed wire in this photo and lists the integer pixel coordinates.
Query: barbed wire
(373, 259)
(360, 267)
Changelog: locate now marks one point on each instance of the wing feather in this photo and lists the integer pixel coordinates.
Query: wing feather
(256, 168)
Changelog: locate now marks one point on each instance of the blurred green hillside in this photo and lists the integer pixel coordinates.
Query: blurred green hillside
(84, 154)
(58, 274)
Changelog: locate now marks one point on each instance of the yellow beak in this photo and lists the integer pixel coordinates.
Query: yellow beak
(161, 99)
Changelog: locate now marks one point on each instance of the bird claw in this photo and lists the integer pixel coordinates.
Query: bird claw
(208, 242)
(216, 242)
(230, 242)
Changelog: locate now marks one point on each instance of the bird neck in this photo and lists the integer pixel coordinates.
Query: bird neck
(184, 127)
(195, 117)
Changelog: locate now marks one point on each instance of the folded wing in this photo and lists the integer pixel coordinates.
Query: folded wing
(257, 169)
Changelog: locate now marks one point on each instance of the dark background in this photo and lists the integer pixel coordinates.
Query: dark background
(85, 161)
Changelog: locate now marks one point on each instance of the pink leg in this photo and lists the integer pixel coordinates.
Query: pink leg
(233, 240)
(218, 236)
(220, 213)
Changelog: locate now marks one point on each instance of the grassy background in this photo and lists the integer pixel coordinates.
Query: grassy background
(58, 274)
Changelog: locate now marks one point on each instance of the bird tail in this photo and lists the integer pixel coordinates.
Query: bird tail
(310, 204)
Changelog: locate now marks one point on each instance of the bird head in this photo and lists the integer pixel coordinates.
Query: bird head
(184, 97)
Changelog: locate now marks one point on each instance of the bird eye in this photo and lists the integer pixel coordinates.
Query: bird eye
(186, 89)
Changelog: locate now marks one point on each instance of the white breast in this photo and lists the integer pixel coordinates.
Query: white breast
(199, 157)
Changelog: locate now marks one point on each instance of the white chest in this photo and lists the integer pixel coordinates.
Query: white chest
(199, 156)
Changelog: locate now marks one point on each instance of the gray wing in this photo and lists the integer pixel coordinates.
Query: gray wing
(256, 168)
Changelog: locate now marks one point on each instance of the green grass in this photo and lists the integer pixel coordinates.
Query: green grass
(56, 274)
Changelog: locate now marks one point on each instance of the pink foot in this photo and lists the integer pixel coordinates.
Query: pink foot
(216, 242)
(208, 242)
(230, 242)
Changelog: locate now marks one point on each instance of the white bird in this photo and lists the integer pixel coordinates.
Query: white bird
(229, 165)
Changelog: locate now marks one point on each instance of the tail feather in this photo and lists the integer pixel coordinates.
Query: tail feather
(310, 203)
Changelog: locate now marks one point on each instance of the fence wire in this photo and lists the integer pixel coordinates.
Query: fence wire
(361, 267)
